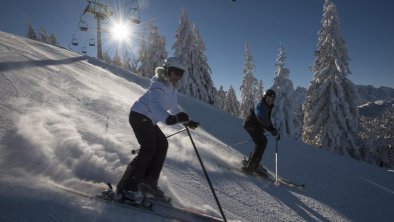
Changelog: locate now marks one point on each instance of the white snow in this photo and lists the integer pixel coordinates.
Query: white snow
(64, 126)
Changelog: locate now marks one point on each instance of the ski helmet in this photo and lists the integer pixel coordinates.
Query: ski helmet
(270, 93)
(174, 62)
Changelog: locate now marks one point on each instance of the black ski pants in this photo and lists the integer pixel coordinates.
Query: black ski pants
(260, 141)
(148, 163)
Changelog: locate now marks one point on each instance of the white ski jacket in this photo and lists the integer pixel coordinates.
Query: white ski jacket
(160, 100)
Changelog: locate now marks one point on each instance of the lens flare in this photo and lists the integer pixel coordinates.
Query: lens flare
(121, 31)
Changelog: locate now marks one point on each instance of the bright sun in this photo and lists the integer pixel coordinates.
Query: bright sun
(121, 31)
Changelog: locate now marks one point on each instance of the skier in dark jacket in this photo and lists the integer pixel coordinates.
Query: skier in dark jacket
(256, 123)
(159, 103)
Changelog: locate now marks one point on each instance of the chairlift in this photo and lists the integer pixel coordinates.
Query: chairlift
(83, 26)
(134, 13)
(84, 50)
(74, 41)
(92, 42)
(134, 21)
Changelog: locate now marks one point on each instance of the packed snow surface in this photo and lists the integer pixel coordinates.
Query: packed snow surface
(64, 127)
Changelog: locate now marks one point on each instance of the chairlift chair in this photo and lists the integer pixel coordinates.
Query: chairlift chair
(84, 50)
(134, 20)
(134, 14)
(83, 26)
(92, 42)
(74, 41)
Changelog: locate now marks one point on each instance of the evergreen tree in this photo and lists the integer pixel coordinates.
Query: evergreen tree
(331, 112)
(191, 49)
(231, 104)
(43, 35)
(182, 49)
(116, 60)
(134, 66)
(153, 52)
(203, 87)
(284, 113)
(378, 136)
(221, 98)
(259, 90)
(107, 58)
(52, 39)
(126, 61)
(31, 33)
(248, 86)
(143, 59)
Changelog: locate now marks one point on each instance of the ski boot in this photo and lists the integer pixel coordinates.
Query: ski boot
(134, 198)
(261, 171)
(108, 194)
(154, 192)
(246, 167)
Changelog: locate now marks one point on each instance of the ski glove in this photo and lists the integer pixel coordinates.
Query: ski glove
(192, 124)
(178, 118)
(276, 134)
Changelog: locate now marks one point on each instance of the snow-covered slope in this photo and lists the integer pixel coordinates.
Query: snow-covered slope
(64, 125)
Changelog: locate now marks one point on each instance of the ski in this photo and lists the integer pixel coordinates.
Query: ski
(159, 209)
(192, 214)
(109, 195)
(164, 207)
(267, 177)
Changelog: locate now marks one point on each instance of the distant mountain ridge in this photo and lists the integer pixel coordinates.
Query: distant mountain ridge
(375, 109)
(371, 94)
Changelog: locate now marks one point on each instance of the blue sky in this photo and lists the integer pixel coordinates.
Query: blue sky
(225, 26)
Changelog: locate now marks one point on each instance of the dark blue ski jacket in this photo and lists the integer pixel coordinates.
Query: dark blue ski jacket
(259, 117)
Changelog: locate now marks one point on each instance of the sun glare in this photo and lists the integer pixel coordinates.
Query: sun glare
(121, 31)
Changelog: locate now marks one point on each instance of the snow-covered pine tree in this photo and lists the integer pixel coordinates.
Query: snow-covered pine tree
(231, 104)
(52, 39)
(331, 119)
(107, 58)
(31, 33)
(42, 35)
(116, 60)
(221, 97)
(203, 87)
(248, 86)
(126, 61)
(284, 112)
(259, 90)
(152, 52)
(143, 58)
(299, 96)
(182, 49)
(134, 66)
(190, 48)
(378, 136)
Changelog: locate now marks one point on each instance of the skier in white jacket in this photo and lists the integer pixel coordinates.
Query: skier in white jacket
(158, 104)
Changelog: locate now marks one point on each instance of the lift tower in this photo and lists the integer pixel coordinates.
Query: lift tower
(100, 11)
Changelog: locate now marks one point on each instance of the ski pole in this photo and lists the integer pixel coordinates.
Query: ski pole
(276, 163)
(206, 175)
(136, 151)
(239, 143)
(176, 133)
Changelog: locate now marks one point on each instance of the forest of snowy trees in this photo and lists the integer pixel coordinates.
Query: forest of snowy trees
(324, 115)
(41, 35)
(328, 115)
